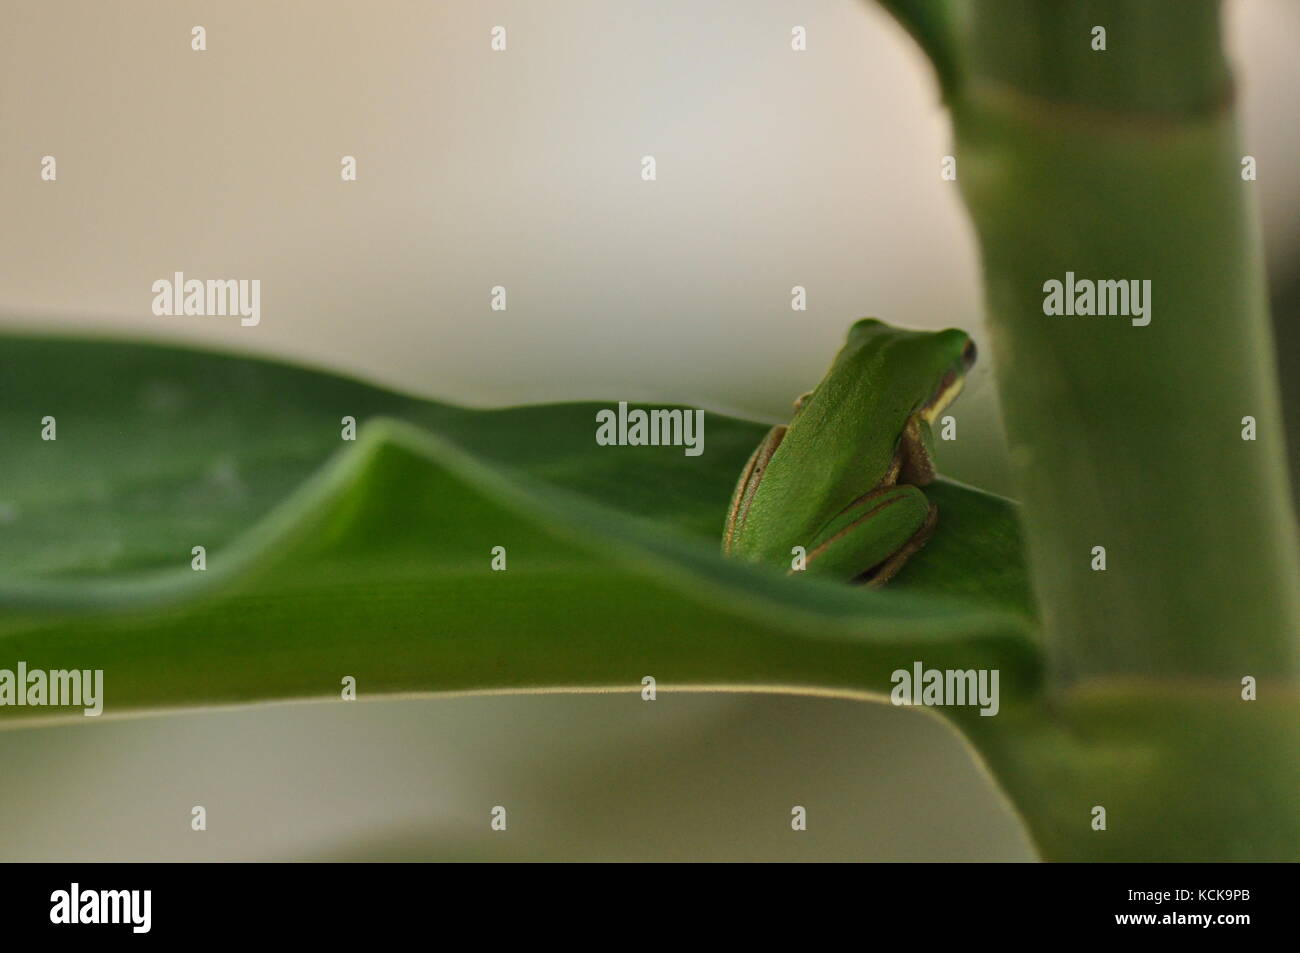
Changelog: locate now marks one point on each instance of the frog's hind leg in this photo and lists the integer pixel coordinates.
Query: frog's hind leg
(877, 577)
(871, 539)
(750, 477)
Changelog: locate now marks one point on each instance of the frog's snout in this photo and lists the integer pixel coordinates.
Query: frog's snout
(968, 354)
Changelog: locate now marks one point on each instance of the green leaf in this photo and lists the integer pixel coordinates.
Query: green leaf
(328, 558)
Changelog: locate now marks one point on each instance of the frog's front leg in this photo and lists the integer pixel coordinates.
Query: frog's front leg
(871, 539)
(914, 455)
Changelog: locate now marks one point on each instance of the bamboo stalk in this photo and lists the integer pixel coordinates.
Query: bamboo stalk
(1125, 164)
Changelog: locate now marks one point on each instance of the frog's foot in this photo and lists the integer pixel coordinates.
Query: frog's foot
(871, 539)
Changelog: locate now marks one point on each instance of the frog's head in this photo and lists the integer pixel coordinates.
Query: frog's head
(934, 361)
(959, 352)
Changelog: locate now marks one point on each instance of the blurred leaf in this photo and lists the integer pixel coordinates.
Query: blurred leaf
(372, 558)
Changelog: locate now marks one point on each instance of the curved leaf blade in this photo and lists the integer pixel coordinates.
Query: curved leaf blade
(378, 565)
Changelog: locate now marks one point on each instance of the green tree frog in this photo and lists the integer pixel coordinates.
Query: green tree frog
(843, 479)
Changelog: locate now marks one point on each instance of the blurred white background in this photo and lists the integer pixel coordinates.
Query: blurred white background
(522, 169)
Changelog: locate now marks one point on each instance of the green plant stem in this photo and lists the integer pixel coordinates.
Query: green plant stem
(1125, 164)
(1130, 437)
